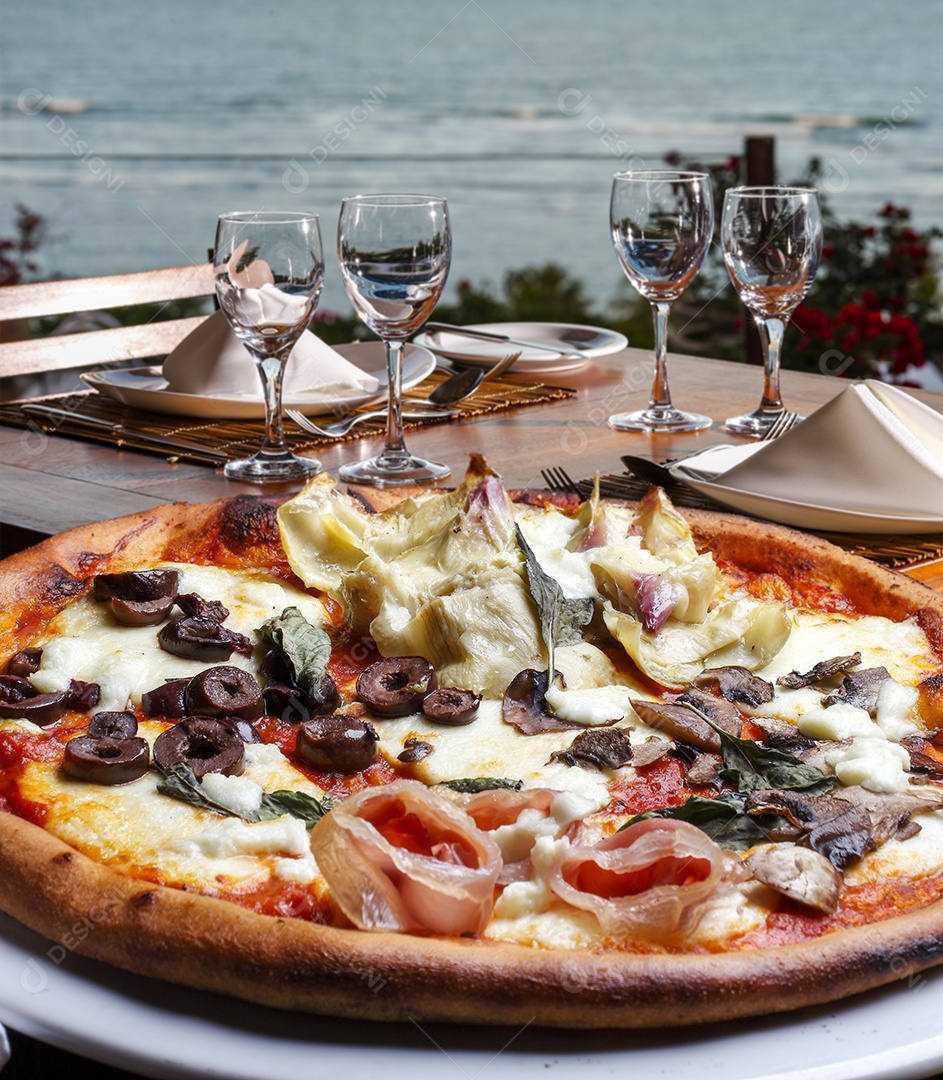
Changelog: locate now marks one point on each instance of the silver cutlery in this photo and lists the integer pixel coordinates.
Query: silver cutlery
(340, 428)
(146, 439)
(786, 421)
(574, 347)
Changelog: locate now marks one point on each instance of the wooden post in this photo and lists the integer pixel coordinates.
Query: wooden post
(759, 158)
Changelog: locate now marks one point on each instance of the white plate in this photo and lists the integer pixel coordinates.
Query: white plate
(806, 515)
(146, 388)
(169, 1031)
(587, 341)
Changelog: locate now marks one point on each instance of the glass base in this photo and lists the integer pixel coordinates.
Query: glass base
(755, 424)
(660, 418)
(264, 468)
(389, 470)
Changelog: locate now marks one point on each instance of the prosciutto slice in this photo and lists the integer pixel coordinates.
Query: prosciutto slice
(651, 880)
(402, 857)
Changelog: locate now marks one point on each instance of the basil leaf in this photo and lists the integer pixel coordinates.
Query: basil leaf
(723, 819)
(305, 649)
(561, 620)
(752, 767)
(297, 803)
(472, 786)
(179, 782)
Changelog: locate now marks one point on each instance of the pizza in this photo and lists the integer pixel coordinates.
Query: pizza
(589, 764)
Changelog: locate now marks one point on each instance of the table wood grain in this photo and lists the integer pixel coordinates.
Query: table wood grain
(53, 482)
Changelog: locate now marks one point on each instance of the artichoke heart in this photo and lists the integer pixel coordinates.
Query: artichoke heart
(743, 632)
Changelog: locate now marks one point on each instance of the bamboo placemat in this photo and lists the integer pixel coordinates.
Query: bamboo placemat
(892, 551)
(237, 438)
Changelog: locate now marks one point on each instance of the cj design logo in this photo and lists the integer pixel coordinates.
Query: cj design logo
(33, 978)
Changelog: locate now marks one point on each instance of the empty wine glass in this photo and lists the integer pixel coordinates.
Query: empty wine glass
(772, 240)
(269, 270)
(661, 222)
(394, 253)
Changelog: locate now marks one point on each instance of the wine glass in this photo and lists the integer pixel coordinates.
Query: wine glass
(772, 240)
(269, 269)
(661, 222)
(394, 253)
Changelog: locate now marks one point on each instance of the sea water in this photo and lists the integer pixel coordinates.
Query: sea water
(131, 125)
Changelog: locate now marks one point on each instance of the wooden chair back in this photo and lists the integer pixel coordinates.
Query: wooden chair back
(19, 304)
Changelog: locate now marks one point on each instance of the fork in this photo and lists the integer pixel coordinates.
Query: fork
(341, 427)
(786, 421)
(558, 479)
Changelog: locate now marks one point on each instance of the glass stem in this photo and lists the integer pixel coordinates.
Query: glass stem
(395, 443)
(661, 397)
(772, 332)
(272, 372)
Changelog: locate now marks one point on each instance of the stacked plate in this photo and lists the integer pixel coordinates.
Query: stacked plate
(556, 346)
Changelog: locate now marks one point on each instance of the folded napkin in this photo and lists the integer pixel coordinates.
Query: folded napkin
(872, 452)
(212, 360)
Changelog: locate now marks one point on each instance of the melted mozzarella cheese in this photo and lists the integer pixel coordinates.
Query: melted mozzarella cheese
(84, 641)
(873, 763)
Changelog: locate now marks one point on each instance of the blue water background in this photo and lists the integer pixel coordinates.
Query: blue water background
(131, 125)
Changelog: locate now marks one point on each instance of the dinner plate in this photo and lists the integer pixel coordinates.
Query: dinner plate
(161, 1030)
(805, 515)
(585, 341)
(146, 388)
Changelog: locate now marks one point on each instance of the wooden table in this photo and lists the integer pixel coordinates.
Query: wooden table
(51, 483)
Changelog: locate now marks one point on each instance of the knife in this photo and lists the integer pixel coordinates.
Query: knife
(160, 442)
(484, 335)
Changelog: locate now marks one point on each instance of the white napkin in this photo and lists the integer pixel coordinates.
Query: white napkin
(212, 360)
(872, 450)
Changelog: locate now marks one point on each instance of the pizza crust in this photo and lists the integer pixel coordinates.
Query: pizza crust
(214, 945)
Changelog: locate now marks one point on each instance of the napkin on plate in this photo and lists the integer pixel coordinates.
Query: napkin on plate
(872, 451)
(212, 360)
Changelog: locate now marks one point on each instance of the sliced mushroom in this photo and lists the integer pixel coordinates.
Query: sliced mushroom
(650, 750)
(723, 713)
(798, 873)
(860, 689)
(597, 748)
(525, 704)
(825, 669)
(678, 721)
(737, 684)
(703, 771)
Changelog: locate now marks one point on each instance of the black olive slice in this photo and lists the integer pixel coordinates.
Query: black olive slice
(82, 696)
(241, 727)
(414, 750)
(338, 744)
(449, 705)
(103, 760)
(25, 662)
(284, 701)
(113, 725)
(396, 685)
(196, 638)
(40, 709)
(136, 585)
(224, 691)
(166, 701)
(192, 603)
(205, 744)
(324, 698)
(141, 612)
(15, 688)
